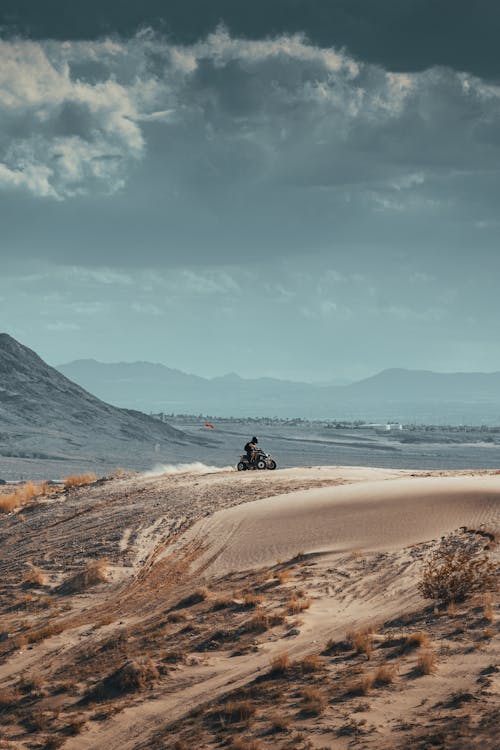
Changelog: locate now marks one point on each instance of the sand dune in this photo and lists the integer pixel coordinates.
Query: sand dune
(376, 515)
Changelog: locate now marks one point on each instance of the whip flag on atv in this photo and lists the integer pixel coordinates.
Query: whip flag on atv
(262, 461)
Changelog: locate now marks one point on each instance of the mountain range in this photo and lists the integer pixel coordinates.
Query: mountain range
(391, 395)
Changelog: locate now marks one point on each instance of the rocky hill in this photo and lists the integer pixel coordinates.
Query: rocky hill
(44, 416)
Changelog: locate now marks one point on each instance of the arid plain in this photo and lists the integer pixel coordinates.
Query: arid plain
(207, 608)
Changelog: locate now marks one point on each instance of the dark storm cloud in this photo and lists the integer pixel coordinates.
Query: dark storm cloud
(401, 35)
(153, 152)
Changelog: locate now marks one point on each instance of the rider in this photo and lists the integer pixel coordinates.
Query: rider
(251, 449)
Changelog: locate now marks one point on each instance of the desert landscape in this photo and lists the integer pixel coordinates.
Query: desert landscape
(315, 607)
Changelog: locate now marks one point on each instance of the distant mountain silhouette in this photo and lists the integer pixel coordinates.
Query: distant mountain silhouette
(45, 415)
(393, 394)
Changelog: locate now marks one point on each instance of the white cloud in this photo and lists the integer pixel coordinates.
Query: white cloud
(74, 116)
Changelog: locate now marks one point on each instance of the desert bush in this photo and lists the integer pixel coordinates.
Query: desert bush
(426, 663)
(296, 605)
(313, 701)
(488, 608)
(200, 595)
(280, 664)
(310, 663)
(21, 496)
(31, 682)
(279, 723)
(94, 572)
(8, 698)
(454, 572)
(385, 674)
(361, 686)
(75, 480)
(135, 675)
(35, 577)
(240, 743)
(416, 640)
(283, 576)
(361, 641)
(252, 600)
(238, 710)
(258, 623)
(75, 726)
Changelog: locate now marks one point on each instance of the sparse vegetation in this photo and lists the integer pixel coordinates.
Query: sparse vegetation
(280, 664)
(76, 480)
(238, 710)
(416, 640)
(297, 604)
(94, 572)
(23, 495)
(385, 674)
(310, 663)
(200, 595)
(361, 641)
(426, 663)
(313, 701)
(454, 572)
(35, 577)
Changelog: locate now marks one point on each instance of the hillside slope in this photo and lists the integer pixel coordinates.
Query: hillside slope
(46, 416)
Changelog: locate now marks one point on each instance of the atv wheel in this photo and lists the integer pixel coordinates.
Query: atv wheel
(242, 466)
(271, 464)
(261, 464)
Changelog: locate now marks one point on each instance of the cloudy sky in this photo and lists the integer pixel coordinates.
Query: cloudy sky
(305, 189)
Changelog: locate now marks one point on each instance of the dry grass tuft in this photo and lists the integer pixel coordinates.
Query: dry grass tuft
(311, 663)
(426, 663)
(31, 682)
(131, 677)
(76, 480)
(35, 577)
(23, 495)
(280, 664)
(488, 608)
(200, 595)
(240, 743)
(8, 698)
(296, 605)
(418, 639)
(279, 723)
(93, 573)
(252, 600)
(454, 573)
(362, 686)
(385, 674)
(235, 711)
(313, 701)
(283, 576)
(361, 641)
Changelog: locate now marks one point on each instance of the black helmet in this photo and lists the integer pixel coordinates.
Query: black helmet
(254, 439)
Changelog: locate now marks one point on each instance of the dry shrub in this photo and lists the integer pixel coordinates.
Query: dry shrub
(361, 641)
(283, 576)
(75, 480)
(235, 711)
(488, 608)
(296, 605)
(311, 663)
(54, 742)
(279, 723)
(21, 496)
(135, 675)
(258, 623)
(240, 743)
(362, 686)
(280, 664)
(94, 572)
(175, 617)
(75, 726)
(53, 628)
(252, 600)
(200, 595)
(31, 682)
(454, 572)
(35, 577)
(313, 701)
(426, 663)
(385, 674)
(416, 640)
(8, 698)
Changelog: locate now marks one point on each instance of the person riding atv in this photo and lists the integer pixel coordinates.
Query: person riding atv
(251, 450)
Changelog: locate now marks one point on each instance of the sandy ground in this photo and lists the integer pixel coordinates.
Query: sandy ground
(197, 561)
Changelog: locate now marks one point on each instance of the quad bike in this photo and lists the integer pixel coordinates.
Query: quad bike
(262, 461)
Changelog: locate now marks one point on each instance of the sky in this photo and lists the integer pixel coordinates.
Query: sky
(303, 189)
